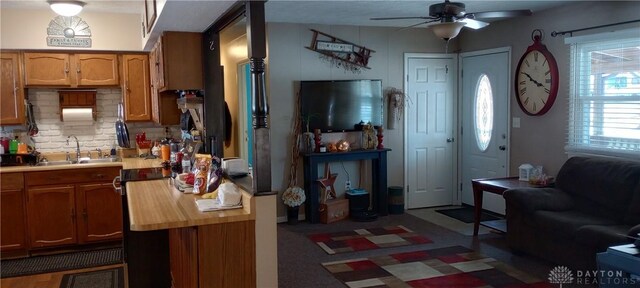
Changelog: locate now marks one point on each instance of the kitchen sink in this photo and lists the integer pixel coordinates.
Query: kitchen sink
(102, 160)
(54, 163)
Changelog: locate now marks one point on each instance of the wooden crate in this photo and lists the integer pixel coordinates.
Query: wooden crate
(334, 210)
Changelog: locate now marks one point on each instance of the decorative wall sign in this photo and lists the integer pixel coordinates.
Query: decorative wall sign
(341, 53)
(70, 31)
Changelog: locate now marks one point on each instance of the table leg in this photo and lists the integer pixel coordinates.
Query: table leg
(477, 203)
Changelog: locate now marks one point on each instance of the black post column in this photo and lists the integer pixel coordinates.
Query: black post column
(256, 38)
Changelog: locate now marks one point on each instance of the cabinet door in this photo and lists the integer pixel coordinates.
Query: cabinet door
(96, 69)
(100, 213)
(11, 90)
(160, 74)
(12, 220)
(52, 69)
(135, 87)
(182, 61)
(51, 216)
(153, 75)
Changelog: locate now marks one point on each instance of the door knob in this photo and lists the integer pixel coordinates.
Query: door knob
(502, 147)
(449, 140)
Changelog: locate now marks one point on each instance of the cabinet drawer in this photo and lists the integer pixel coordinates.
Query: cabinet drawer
(70, 176)
(10, 181)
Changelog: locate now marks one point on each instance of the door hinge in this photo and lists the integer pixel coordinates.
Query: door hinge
(460, 186)
(407, 77)
(461, 73)
(460, 130)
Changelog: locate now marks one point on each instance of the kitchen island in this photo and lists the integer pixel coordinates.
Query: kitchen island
(206, 249)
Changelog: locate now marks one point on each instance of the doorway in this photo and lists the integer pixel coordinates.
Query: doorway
(429, 139)
(484, 133)
(244, 112)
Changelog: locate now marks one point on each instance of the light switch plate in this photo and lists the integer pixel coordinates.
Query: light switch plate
(515, 123)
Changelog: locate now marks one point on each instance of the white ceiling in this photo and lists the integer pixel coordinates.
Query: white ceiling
(190, 15)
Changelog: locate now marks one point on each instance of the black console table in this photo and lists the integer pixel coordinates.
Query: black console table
(378, 178)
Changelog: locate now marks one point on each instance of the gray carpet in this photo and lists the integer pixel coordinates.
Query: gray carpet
(60, 262)
(107, 278)
(299, 259)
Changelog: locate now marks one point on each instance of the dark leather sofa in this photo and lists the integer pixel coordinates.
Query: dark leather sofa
(594, 204)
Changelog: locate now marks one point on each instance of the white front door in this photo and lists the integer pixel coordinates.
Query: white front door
(485, 114)
(429, 146)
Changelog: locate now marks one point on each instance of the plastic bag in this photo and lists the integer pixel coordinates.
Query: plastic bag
(215, 174)
(229, 194)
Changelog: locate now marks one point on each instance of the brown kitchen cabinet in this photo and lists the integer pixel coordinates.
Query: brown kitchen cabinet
(12, 213)
(11, 90)
(97, 221)
(179, 61)
(73, 206)
(70, 70)
(164, 109)
(51, 215)
(136, 88)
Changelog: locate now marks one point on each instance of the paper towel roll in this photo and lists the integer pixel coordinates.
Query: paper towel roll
(78, 116)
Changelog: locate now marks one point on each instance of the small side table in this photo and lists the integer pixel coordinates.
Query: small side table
(492, 185)
(621, 265)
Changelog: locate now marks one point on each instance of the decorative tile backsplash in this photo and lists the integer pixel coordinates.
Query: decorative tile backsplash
(53, 133)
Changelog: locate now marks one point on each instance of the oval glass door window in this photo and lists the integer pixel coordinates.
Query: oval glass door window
(483, 118)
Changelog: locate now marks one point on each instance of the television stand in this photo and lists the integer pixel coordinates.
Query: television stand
(378, 178)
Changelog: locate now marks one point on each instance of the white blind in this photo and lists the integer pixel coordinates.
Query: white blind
(604, 102)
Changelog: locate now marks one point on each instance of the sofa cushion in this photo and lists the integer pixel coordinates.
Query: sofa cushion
(607, 183)
(600, 237)
(566, 223)
(633, 213)
(528, 200)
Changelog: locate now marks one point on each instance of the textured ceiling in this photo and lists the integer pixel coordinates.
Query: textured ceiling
(190, 15)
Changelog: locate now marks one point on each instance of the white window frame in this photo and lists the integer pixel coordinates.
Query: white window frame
(579, 141)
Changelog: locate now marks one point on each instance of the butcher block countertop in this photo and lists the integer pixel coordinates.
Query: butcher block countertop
(156, 205)
(126, 163)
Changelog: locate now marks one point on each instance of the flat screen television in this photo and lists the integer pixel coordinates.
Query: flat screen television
(340, 105)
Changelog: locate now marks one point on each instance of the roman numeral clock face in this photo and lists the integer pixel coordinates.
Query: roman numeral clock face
(536, 82)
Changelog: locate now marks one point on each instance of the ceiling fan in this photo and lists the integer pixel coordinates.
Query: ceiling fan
(452, 17)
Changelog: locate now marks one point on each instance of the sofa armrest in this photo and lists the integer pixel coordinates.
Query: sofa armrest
(528, 200)
(634, 231)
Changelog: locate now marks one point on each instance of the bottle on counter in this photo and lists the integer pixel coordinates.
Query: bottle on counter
(186, 163)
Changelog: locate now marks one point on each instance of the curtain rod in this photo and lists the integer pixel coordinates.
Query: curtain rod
(554, 33)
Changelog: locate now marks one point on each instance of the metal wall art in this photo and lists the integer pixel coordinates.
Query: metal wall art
(340, 53)
(69, 31)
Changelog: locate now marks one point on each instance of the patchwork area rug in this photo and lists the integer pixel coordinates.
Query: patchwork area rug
(444, 267)
(107, 278)
(367, 239)
(60, 262)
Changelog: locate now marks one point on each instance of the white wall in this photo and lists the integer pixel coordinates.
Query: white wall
(540, 140)
(27, 29)
(289, 61)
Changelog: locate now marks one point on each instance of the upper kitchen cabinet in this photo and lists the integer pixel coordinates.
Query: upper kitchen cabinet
(178, 61)
(71, 70)
(11, 90)
(135, 87)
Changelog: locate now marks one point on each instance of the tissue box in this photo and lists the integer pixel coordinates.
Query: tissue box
(334, 210)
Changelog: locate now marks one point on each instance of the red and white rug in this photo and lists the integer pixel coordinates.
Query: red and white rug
(367, 239)
(444, 267)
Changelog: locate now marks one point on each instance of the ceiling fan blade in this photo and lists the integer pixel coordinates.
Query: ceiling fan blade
(474, 24)
(499, 14)
(400, 18)
(414, 25)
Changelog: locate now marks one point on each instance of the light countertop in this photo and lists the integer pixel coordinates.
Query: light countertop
(126, 163)
(156, 204)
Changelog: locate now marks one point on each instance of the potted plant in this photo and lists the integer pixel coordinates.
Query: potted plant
(293, 197)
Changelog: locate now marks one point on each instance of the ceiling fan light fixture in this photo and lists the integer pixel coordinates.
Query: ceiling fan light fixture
(66, 8)
(447, 30)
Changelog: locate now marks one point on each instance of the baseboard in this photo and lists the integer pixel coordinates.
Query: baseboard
(283, 219)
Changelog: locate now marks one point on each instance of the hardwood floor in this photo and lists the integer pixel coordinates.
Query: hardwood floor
(48, 280)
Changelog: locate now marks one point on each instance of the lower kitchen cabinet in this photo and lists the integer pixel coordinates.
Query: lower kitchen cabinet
(12, 213)
(51, 216)
(100, 218)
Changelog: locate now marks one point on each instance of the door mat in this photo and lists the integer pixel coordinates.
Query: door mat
(466, 214)
(444, 267)
(107, 278)
(367, 239)
(60, 262)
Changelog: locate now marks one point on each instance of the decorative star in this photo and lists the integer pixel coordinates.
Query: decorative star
(327, 183)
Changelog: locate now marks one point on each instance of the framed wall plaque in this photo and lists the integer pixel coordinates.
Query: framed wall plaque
(150, 13)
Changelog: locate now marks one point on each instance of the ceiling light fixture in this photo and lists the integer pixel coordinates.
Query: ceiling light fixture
(447, 30)
(66, 7)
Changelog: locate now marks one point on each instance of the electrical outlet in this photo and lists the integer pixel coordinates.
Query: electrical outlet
(347, 185)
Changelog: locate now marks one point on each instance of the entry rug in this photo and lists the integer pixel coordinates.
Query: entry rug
(367, 239)
(444, 267)
(60, 262)
(466, 214)
(107, 278)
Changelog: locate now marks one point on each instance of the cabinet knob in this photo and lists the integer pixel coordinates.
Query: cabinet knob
(66, 68)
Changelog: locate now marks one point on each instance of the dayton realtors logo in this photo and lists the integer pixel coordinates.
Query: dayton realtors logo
(70, 31)
(563, 275)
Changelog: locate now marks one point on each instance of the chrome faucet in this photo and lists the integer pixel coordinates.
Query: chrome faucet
(99, 153)
(77, 147)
